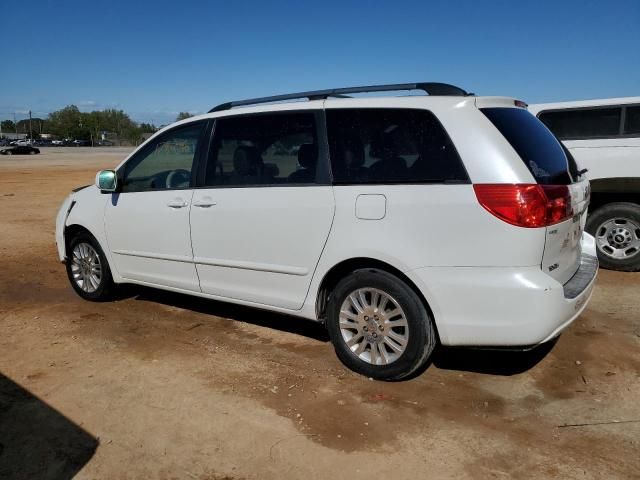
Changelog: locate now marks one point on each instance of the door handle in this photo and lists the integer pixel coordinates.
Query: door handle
(204, 202)
(177, 203)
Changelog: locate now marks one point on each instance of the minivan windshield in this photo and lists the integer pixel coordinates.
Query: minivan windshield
(539, 149)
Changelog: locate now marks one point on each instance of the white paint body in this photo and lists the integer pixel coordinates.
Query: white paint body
(271, 247)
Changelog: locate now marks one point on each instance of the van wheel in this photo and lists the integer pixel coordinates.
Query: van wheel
(616, 227)
(379, 326)
(88, 270)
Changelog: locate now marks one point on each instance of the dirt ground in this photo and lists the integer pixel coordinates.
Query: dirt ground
(157, 385)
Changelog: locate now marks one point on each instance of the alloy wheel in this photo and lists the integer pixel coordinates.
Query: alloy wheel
(374, 326)
(86, 267)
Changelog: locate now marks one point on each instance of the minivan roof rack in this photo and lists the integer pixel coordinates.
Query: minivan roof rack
(431, 88)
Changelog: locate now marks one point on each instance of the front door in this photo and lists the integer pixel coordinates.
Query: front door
(259, 226)
(147, 222)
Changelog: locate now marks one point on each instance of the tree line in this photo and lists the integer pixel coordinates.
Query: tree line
(70, 122)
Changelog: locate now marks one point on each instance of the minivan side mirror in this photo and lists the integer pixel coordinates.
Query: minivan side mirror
(107, 181)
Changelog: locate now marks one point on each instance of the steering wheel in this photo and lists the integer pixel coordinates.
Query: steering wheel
(178, 178)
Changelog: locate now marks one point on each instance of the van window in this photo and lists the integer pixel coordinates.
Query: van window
(391, 146)
(542, 153)
(632, 122)
(263, 149)
(583, 123)
(165, 163)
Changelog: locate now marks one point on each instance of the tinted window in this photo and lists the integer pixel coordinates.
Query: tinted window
(632, 122)
(537, 147)
(583, 123)
(390, 146)
(264, 149)
(165, 163)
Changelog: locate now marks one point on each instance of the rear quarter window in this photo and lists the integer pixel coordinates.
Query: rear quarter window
(632, 124)
(539, 149)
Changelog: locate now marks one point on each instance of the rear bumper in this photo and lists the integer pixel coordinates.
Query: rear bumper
(505, 306)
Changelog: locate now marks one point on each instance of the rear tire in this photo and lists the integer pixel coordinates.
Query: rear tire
(88, 270)
(379, 326)
(616, 227)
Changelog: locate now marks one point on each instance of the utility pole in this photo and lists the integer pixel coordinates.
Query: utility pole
(15, 124)
(30, 129)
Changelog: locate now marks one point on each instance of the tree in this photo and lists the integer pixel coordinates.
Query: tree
(70, 122)
(67, 123)
(94, 122)
(148, 128)
(183, 116)
(8, 126)
(37, 125)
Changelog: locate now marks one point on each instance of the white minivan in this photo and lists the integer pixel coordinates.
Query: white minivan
(399, 222)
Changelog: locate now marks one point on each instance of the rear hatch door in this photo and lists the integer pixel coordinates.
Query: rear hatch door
(552, 167)
(562, 250)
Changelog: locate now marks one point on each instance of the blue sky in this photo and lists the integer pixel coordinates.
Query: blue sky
(155, 58)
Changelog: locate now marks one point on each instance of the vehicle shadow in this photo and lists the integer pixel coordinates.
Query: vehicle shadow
(491, 361)
(239, 313)
(36, 441)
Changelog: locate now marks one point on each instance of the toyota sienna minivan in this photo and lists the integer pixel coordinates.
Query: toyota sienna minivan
(400, 222)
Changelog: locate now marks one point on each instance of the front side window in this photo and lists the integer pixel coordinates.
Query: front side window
(166, 163)
(264, 149)
(390, 146)
(583, 123)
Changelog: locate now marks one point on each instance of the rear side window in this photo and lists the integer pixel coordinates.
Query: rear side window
(264, 149)
(583, 123)
(542, 153)
(391, 146)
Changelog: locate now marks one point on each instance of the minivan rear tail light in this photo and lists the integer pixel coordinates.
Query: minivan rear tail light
(526, 205)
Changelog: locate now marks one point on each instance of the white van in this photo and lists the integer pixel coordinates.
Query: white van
(604, 137)
(400, 222)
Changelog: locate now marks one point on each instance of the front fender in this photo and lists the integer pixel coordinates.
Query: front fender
(61, 220)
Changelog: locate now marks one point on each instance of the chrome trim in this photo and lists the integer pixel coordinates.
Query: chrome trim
(582, 278)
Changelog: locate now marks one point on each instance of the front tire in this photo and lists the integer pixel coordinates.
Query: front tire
(88, 270)
(379, 326)
(616, 228)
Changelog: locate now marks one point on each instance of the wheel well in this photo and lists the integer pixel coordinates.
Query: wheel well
(609, 190)
(344, 268)
(71, 231)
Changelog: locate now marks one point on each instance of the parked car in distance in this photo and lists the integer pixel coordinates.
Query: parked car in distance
(22, 143)
(4, 142)
(57, 143)
(81, 143)
(604, 137)
(20, 150)
(400, 223)
(105, 143)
